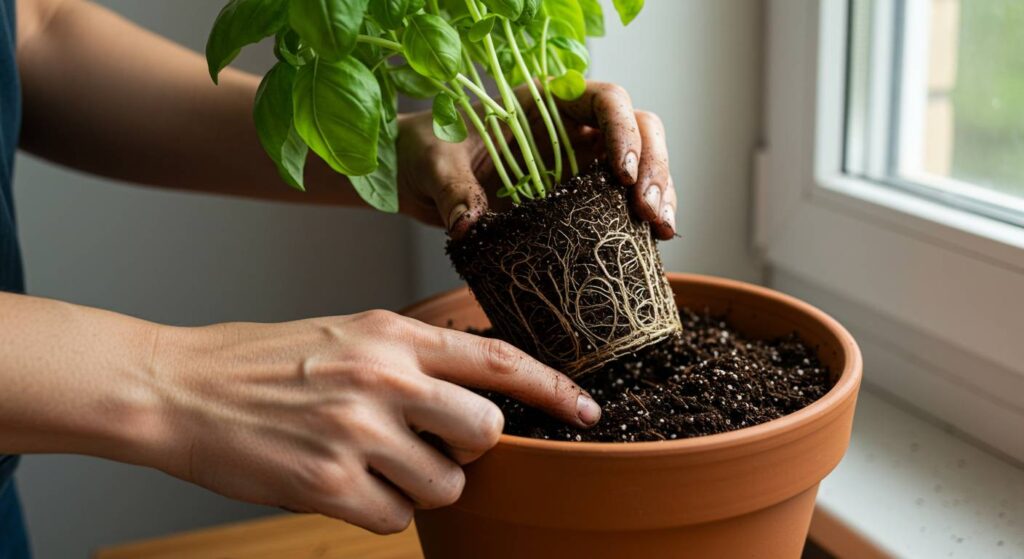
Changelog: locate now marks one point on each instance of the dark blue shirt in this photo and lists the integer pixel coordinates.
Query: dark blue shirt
(12, 535)
(11, 278)
(10, 121)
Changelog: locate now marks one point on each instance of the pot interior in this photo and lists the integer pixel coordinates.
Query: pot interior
(755, 312)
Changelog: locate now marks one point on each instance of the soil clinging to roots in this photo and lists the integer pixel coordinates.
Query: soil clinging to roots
(574, 279)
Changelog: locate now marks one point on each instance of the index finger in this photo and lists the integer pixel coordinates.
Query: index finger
(491, 364)
(607, 106)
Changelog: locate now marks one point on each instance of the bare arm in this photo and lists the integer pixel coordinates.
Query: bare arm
(106, 96)
(53, 350)
(296, 414)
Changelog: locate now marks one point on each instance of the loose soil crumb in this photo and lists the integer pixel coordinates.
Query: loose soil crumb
(705, 380)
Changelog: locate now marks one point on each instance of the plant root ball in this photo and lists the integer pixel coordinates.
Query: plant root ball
(574, 279)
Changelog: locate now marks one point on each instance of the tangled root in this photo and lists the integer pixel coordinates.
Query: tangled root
(573, 279)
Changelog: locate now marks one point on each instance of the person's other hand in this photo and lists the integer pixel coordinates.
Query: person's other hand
(449, 184)
(325, 415)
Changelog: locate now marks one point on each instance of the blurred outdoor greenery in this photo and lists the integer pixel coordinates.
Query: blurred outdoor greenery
(988, 97)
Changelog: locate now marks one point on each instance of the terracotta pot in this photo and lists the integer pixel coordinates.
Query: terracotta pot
(747, 493)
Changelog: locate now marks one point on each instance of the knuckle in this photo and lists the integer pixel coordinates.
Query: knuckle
(437, 153)
(563, 391)
(382, 321)
(500, 356)
(391, 520)
(446, 487)
(452, 486)
(491, 425)
(659, 169)
(610, 89)
(323, 477)
(649, 119)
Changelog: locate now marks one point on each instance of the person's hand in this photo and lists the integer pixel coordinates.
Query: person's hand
(449, 184)
(325, 415)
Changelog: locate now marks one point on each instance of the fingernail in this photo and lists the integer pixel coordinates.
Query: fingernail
(587, 410)
(631, 165)
(456, 213)
(668, 216)
(653, 198)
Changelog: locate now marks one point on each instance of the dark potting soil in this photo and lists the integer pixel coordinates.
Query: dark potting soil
(707, 379)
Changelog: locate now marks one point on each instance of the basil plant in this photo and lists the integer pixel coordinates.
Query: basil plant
(341, 64)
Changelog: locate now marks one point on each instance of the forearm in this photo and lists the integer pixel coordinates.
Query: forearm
(76, 380)
(106, 96)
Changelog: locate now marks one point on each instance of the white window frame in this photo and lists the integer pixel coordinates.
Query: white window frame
(938, 286)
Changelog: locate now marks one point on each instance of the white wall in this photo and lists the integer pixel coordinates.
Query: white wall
(181, 259)
(697, 63)
(190, 260)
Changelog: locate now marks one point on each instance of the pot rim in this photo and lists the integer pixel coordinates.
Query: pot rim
(844, 389)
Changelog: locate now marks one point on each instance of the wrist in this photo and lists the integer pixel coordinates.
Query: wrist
(153, 419)
(132, 413)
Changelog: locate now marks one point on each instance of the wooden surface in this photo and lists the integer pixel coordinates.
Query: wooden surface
(280, 537)
(301, 536)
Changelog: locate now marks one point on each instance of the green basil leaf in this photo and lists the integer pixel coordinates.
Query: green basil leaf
(294, 153)
(593, 17)
(628, 9)
(391, 13)
(286, 48)
(456, 9)
(482, 28)
(241, 23)
(337, 111)
(574, 53)
(388, 95)
(411, 83)
(506, 60)
(530, 9)
(432, 47)
(272, 113)
(444, 110)
(510, 9)
(448, 123)
(566, 18)
(380, 188)
(368, 53)
(513, 75)
(329, 26)
(476, 52)
(569, 86)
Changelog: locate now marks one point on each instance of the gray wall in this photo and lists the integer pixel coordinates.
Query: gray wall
(191, 260)
(180, 259)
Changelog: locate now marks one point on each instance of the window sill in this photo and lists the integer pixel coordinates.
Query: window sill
(913, 489)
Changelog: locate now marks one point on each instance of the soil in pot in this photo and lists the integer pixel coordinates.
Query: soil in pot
(573, 279)
(707, 379)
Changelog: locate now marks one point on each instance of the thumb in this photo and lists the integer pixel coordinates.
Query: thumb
(458, 196)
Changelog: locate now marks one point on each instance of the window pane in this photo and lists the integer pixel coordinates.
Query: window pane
(976, 109)
(936, 100)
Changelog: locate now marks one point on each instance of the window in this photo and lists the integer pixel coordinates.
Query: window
(935, 101)
(890, 192)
